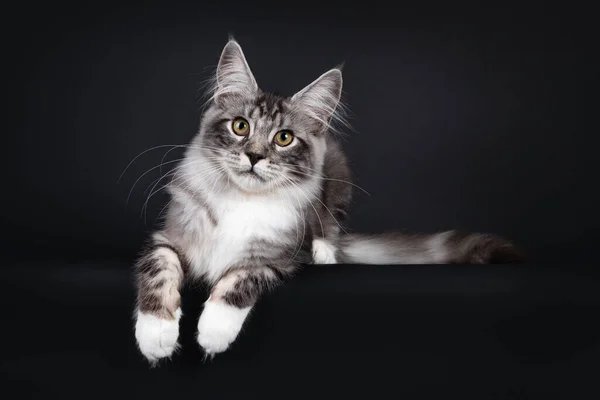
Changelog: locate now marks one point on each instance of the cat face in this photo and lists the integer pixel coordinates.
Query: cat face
(259, 141)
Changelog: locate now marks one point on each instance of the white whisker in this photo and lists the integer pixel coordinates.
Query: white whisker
(322, 177)
(147, 172)
(178, 169)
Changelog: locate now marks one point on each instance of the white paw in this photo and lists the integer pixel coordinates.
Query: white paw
(219, 325)
(156, 337)
(323, 252)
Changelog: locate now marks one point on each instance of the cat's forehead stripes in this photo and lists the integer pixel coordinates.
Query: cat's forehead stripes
(267, 109)
(269, 105)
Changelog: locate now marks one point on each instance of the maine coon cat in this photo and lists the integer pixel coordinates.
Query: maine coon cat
(264, 186)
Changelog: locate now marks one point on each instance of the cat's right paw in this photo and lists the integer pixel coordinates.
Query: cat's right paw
(156, 337)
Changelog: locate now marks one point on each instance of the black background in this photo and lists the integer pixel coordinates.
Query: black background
(467, 117)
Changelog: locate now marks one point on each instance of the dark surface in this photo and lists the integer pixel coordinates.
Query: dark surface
(491, 332)
(470, 117)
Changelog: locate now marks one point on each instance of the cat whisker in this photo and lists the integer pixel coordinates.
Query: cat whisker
(147, 172)
(219, 169)
(327, 208)
(191, 182)
(173, 146)
(185, 179)
(141, 154)
(302, 192)
(145, 192)
(165, 155)
(322, 177)
(174, 172)
(301, 242)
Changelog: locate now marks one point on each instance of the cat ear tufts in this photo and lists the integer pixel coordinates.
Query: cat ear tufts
(234, 77)
(321, 98)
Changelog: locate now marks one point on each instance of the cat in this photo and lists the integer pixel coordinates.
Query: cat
(263, 188)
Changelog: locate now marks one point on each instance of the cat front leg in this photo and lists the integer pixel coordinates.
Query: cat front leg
(159, 275)
(327, 220)
(324, 240)
(230, 302)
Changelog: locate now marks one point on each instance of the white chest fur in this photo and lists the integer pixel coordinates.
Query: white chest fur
(240, 219)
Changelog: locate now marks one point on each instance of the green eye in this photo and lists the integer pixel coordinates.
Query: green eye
(241, 126)
(284, 138)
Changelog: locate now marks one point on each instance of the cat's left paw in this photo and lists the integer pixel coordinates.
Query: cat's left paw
(219, 325)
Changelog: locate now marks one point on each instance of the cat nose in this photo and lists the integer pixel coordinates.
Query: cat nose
(254, 157)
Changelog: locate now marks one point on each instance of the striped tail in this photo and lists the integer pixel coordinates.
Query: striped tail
(450, 247)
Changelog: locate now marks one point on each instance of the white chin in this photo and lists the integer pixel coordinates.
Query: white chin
(250, 182)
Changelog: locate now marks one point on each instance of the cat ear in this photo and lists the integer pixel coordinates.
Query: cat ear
(234, 77)
(321, 97)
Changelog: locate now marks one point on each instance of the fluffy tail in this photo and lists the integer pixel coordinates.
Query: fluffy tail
(449, 247)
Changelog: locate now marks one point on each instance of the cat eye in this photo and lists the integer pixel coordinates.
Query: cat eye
(240, 126)
(284, 138)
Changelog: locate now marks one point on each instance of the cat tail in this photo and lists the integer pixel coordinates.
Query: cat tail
(450, 247)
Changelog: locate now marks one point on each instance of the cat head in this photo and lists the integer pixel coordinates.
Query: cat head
(258, 141)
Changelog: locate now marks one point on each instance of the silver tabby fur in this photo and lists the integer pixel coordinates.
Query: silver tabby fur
(245, 212)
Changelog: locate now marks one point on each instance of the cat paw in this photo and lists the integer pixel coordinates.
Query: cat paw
(323, 252)
(219, 325)
(156, 337)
